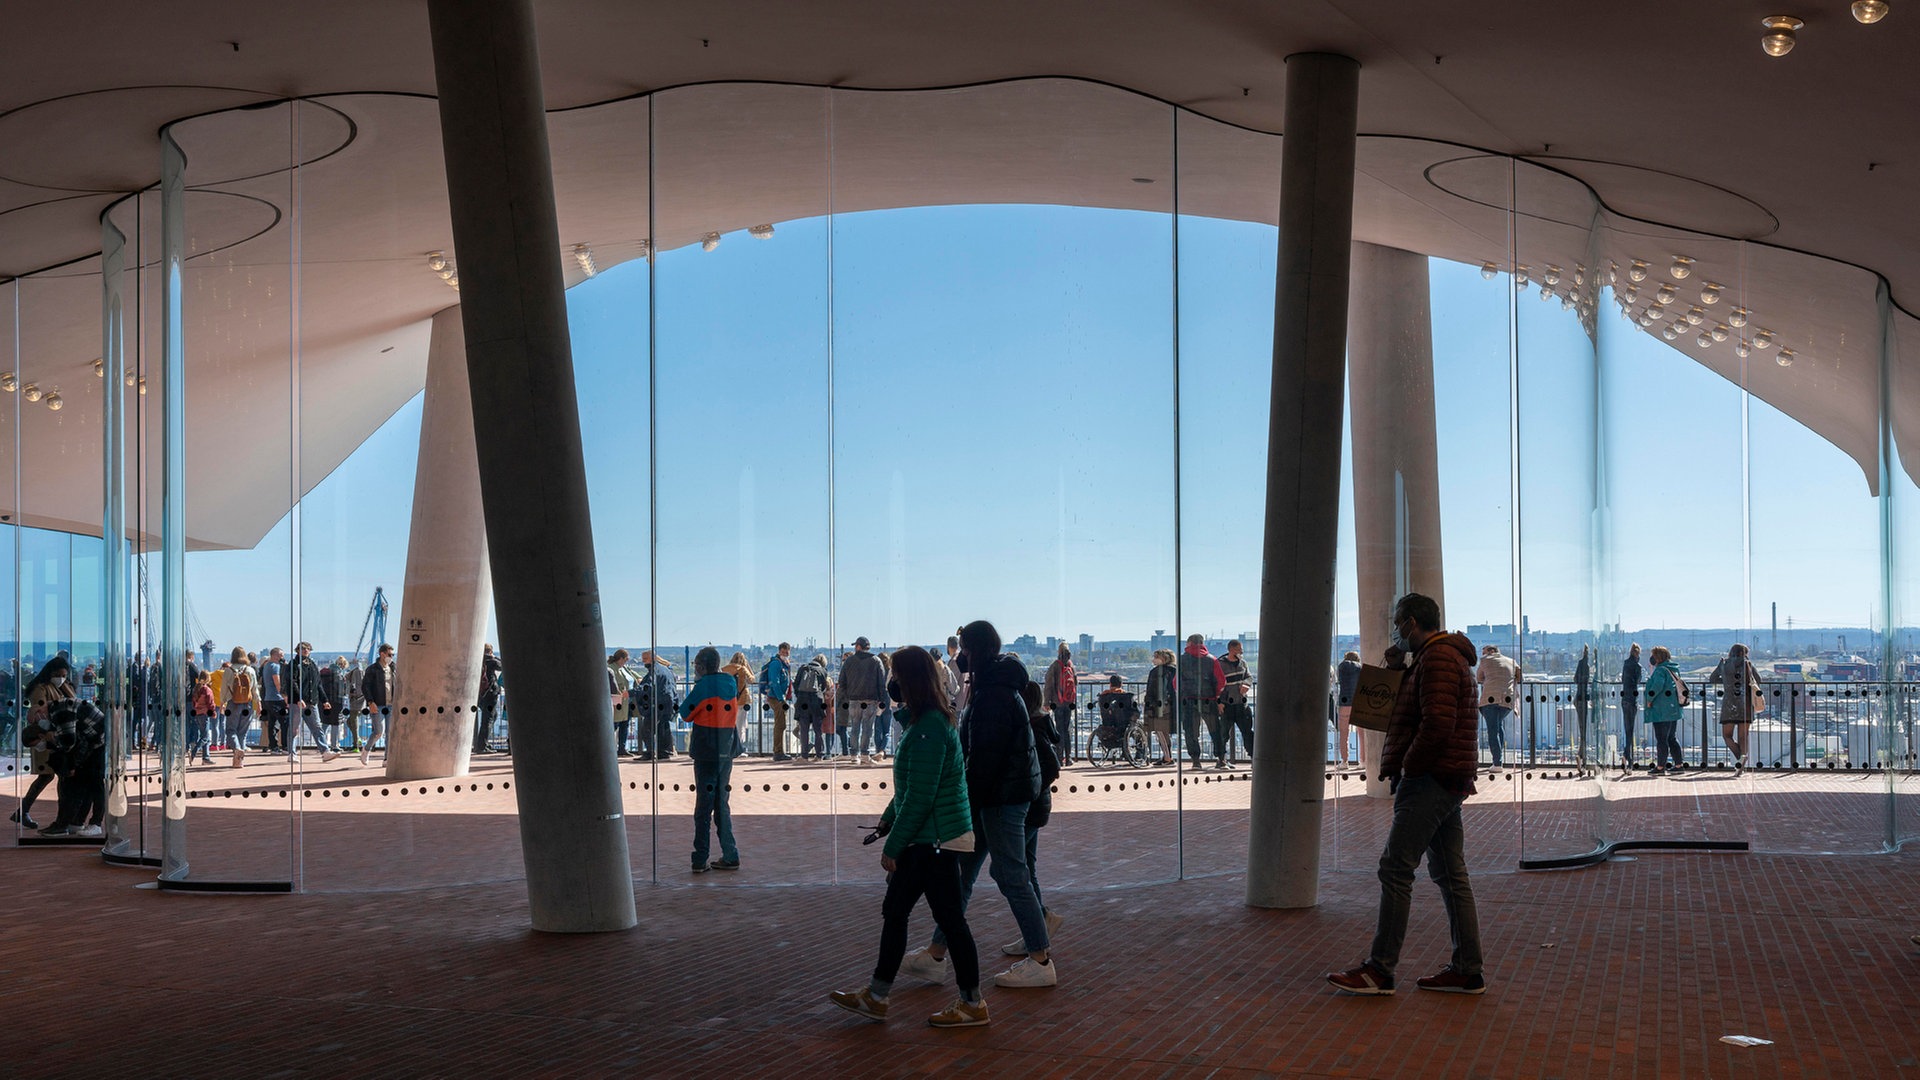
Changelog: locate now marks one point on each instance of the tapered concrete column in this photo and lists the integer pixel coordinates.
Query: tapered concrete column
(449, 591)
(533, 481)
(1303, 479)
(1396, 470)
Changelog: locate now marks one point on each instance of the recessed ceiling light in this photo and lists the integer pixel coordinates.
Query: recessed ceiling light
(1637, 272)
(710, 241)
(1779, 38)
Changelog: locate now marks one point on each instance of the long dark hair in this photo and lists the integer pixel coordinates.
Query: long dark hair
(921, 689)
(59, 665)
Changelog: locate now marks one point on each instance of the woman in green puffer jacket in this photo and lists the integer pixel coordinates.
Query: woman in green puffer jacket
(927, 825)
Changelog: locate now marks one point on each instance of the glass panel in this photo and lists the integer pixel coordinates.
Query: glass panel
(1561, 516)
(18, 759)
(1901, 563)
(741, 370)
(609, 306)
(238, 281)
(1004, 430)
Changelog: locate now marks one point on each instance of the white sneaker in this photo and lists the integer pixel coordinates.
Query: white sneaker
(1053, 925)
(1016, 947)
(329, 755)
(923, 965)
(1027, 973)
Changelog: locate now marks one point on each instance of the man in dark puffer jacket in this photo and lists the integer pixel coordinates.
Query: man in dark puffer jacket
(1431, 758)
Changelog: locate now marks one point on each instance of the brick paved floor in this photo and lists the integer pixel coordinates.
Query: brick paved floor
(1634, 968)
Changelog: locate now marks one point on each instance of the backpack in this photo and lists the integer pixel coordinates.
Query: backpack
(1680, 688)
(808, 679)
(243, 685)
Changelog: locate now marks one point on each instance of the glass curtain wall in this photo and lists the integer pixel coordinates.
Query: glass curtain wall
(872, 365)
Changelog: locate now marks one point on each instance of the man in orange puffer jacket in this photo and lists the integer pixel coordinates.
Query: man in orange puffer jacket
(1431, 758)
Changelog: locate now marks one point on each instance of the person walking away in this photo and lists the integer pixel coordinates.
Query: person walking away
(1062, 691)
(810, 712)
(1046, 744)
(1667, 699)
(1582, 677)
(1235, 710)
(1629, 701)
(333, 704)
(1496, 676)
(928, 826)
(742, 673)
(488, 702)
(1159, 703)
(620, 683)
(1430, 759)
(356, 701)
(1741, 699)
(242, 698)
(1346, 677)
(776, 691)
(376, 689)
(713, 742)
(862, 690)
(1200, 682)
(1003, 780)
(205, 708)
(956, 680)
(657, 705)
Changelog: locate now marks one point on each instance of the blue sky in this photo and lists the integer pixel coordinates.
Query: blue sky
(969, 411)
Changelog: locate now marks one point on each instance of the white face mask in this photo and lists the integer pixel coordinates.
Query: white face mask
(59, 680)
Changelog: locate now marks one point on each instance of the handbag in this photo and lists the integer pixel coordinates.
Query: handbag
(1374, 693)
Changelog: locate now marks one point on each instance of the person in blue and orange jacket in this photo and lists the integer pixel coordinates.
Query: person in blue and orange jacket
(712, 707)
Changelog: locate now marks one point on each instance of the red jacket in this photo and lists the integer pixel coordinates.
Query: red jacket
(1435, 729)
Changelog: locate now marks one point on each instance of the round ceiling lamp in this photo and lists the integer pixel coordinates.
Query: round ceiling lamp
(1870, 11)
(1779, 38)
(1682, 266)
(1487, 270)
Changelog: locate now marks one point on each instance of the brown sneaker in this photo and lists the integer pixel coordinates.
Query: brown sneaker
(861, 1001)
(1366, 980)
(1449, 981)
(961, 1013)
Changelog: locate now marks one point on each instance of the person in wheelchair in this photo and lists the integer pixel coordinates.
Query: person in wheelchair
(1119, 734)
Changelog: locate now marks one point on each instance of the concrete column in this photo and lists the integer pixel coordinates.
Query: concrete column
(533, 482)
(1303, 479)
(1396, 471)
(449, 588)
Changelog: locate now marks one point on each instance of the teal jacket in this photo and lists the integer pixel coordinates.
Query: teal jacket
(1663, 701)
(929, 785)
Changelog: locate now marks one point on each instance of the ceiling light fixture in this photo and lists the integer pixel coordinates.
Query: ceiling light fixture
(143, 386)
(765, 232)
(99, 368)
(1704, 341)
(1637, 272)
(1719, 332)
(32, 391)
(436, 261)
(710, 241)
(1870, 11)
(1553, 275)
(1670, 331)
(583, 255)
(1778, 40)
(1738, 317)
(54, 402)
(1665, 295)
(129, 380)
(1763, 339)
(1546, 291)
(1785, 359)
(1487, 270)
(1741, 350)
(1710, 294)
(1579, 274)
(1613, 272)
(9, 381)
(1695, 316)
(1682, 266)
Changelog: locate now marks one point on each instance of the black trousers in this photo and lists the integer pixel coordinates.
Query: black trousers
(922, 871)
(1191, 713)
(1235, 714)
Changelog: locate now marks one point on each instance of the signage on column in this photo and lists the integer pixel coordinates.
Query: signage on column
(416, 631)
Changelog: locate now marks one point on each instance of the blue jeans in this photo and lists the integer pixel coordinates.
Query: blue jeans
(1001, 832)
(1496, 718)
(710, 805)
(1426, 820)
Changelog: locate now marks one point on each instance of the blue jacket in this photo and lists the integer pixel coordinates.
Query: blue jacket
(1663, 703)
(775, 677)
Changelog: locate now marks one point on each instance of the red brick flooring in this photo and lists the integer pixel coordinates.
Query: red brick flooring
(408, 955)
